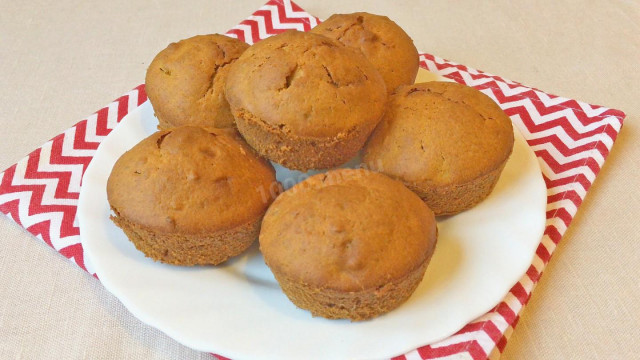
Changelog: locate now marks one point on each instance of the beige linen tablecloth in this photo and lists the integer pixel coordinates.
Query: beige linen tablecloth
(63, 60)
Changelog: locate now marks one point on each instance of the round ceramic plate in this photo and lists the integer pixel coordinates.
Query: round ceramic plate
(238, 310)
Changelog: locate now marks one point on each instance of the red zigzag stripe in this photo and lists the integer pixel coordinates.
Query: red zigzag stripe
(36, 206)
(559, 168)
(472, 347)
(75, 251)
(563, 181)
(565, 150)
(565, 195)
(461, 68)
(282, 19)
(538, 103)
(461, 73)
(561, 123)
(268, 21)
(553, 234)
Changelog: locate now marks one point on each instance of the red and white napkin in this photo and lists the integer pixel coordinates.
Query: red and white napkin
(570, 138)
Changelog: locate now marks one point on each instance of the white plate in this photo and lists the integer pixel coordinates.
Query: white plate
(237, 309)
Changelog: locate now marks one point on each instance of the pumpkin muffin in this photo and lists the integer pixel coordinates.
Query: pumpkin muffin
(305, 101)
(348, 244)
(446, 141)
(185, 81)
(385, 44)
(191, 196)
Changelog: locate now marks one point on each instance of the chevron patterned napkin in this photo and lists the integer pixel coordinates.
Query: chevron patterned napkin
(570, 138)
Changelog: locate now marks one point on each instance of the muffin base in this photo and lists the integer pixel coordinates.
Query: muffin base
(453, 199)
(190, 249)
(297, 152)
(353, 305)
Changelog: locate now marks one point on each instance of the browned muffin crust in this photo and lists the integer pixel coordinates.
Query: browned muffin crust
(305, 101)
(185, 81)
(446, 141)
(382, 41)
(192, 249)
(191, 195)
(348, 243)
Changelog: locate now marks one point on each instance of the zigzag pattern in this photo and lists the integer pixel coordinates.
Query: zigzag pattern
(273, 18)
(40, 192)
(571, 139)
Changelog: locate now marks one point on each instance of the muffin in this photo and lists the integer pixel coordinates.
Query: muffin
(185, 81)
(446, 141)
(348, 244)
(382, 42)
(191, 196)
(305, 101)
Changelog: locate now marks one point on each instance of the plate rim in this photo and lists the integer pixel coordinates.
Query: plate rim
(150, 320)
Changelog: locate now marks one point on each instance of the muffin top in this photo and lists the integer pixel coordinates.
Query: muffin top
(440, 133)
(347, 230)
(185, 81)
(306, 85)
(382, 42)
(191, 180)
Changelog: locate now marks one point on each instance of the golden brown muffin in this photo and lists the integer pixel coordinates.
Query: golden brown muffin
(305, 101)
(185, 81)
(191, 196)
(447, 142)
(382, 42)
(348, 244)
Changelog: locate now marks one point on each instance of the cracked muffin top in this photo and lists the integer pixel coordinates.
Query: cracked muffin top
(191, 180)
(185, 81)
(347, 230)
(306, 85)
(440, 133)
(385, 44)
